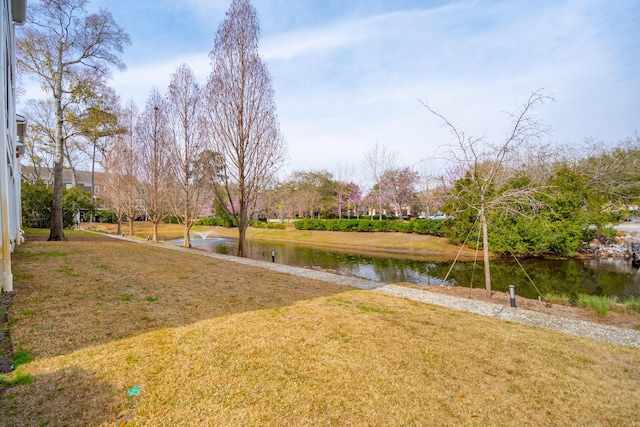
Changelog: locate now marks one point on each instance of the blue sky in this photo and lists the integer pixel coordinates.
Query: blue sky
(349, 74)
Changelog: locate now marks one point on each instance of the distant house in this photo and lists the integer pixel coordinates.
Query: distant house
(82, 179)
(12, 13)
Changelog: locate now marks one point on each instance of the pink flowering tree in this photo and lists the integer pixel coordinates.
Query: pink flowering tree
(399, 184)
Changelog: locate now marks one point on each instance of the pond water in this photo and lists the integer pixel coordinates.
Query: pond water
(573, 276)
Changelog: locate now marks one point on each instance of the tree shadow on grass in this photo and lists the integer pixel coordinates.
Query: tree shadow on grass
(70, 295)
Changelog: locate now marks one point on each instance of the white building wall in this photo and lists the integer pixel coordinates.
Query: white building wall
(9, 161)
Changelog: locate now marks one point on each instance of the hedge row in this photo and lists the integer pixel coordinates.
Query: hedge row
(270, 225)
(419, 226)
(209, 221)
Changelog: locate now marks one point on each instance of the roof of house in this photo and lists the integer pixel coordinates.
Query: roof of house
(31, 173)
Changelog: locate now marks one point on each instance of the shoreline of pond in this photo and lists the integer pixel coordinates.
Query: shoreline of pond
(617, 248)
(394, 244)
(398, 245)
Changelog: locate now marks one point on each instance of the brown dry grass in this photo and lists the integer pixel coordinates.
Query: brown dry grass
(217, 343)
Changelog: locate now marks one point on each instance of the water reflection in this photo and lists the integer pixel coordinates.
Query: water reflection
(592, 276)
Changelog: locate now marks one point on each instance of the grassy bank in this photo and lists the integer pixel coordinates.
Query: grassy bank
(216, 343)
(399, 244)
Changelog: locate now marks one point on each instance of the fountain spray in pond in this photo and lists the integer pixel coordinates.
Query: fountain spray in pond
(203, 234)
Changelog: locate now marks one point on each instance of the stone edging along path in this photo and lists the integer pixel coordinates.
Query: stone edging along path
(569, 326)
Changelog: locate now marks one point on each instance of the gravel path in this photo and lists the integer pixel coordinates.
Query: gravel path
(574, 327)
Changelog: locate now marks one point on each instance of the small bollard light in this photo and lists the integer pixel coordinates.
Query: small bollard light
(512, 295)
(273, 256)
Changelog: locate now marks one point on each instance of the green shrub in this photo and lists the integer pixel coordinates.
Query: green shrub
(217, 221)
(431, 226)
(209, 221)
(422, 226)
(171, 219)
(402, 226)
(106, 217)
(75, 200)
(276, 226)
(332, 225)
(350, 225)
(365, 225)
(381, 225)
(268, 225)
(36, 204)
(310, 224)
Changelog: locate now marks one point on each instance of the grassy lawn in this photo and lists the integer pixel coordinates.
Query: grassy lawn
(216, 343)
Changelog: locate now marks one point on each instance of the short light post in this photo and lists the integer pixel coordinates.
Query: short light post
(512, 295)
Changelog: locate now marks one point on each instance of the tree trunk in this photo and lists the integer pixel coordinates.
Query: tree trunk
(131, 219)
(242, 234)
(155, 231)
(57, 224)
(485, 252)
(93, 181)
(93, 168)
(74, 177)
(187, 239)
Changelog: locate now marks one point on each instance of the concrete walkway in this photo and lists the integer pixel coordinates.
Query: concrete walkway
(569, 326)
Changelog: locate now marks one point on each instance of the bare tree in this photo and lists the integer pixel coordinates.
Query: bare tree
(184, 105)
(343, 187)
(121, 161)
(307, 200)
(154, 170)
(427, 196)
(612, 171)
(74, 156)
(59, 44)
(489, 165)
(242, 123)
(40, 140)
(115, 182)
(268, 201)
(377, 161)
